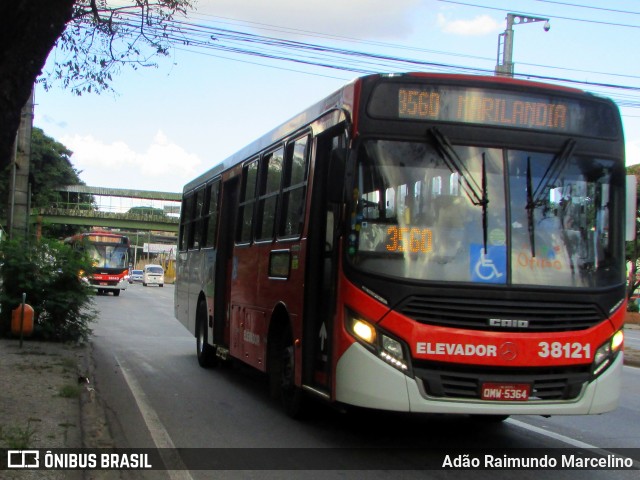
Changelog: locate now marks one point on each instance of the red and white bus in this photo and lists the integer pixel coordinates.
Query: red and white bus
(419, 243)
(110, 254)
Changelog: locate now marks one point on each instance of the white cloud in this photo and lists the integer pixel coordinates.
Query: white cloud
(354, 18)
(481, 25)
(163, 166)
(632, 152)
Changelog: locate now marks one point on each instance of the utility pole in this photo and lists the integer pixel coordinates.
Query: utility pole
(504, 65)
(19, 190)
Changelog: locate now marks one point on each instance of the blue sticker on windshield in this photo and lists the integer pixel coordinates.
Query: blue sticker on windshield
(489, 267)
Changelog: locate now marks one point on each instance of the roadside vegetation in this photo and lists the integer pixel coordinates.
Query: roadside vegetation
(48, 272)
(45, 269)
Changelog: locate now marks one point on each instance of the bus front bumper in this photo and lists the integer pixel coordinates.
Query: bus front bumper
(110, 285)
(364, 380)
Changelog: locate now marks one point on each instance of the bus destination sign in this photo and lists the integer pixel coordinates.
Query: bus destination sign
(97, 238)
(494, 108)
(485, 106)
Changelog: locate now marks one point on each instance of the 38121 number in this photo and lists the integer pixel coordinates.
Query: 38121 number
(564, 350)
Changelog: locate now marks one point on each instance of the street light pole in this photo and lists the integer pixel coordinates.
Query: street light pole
(504, 65)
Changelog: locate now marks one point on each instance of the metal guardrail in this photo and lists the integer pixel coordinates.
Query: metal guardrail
(77, 212)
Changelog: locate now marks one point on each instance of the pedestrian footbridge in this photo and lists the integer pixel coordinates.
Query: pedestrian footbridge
(112, 207)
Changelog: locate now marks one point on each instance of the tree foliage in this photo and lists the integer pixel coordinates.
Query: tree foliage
(48, 272)
(632, 247)
(95, 39)
(50, 168)
(147, 211)
(104, 36)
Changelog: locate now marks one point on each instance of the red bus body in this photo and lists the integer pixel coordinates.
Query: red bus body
(418, 243)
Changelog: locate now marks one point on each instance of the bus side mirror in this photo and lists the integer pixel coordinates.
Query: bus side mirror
(335, 175)
(631, 209)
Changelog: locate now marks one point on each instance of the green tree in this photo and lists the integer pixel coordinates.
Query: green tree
(95, 39)
(50, 169)
(158, 212)
(633, 250)
(48, 273)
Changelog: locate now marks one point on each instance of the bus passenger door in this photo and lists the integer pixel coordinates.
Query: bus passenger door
(322, 268)
(226, 235)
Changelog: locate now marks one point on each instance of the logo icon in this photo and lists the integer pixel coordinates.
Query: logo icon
(505, 323)
(508, 351)
(23, 458)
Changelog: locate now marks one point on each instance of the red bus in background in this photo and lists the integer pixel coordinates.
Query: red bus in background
(419, 243)
(110, 254)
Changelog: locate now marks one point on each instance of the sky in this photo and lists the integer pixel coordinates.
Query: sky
(165, 125)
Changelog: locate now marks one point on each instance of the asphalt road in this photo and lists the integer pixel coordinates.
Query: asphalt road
(632, 337)
(156, 395)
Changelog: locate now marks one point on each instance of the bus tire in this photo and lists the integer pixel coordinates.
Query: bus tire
(282, 374)
(205, 352)
(116, 293)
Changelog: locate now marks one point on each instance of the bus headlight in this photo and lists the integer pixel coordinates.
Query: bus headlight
(393, 353)
(607, 352)
(364, 331)
(384, 346)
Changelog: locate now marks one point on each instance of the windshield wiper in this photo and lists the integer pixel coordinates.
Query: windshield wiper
(453, 162)
(485, 202)
(554, 170)
(477, 194)
(534, 198)
(530, 208)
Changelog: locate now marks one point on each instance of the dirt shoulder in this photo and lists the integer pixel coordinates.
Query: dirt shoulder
(47, 401)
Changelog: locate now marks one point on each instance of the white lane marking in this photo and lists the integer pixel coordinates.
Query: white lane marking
(159, 434)
(571, 441)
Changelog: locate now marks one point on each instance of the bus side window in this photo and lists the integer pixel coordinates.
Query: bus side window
(294, 187)
(185, 221)
(247, 202)
(195, 241)
(210, 221)
(270, 180)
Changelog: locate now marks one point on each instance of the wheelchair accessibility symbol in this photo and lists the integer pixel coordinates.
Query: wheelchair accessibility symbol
(489, 267)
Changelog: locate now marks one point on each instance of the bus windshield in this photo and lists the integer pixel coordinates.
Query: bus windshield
(485, 215)
(108, 256)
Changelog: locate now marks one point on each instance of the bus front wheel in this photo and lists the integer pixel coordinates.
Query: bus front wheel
(205, 352)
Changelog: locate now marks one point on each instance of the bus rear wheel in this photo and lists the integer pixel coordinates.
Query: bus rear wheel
(205, 352)
(282, 374)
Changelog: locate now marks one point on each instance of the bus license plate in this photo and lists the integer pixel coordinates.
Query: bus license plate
(507, 392)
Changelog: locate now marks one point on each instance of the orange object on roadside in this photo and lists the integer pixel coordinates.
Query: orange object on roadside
(26, 322)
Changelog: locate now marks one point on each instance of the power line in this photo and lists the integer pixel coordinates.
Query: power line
(268, 27)
(600, 22)
(602, 9)
(190, 36)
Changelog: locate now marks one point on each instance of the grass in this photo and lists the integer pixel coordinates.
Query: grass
(69, 391)
(17, 438)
